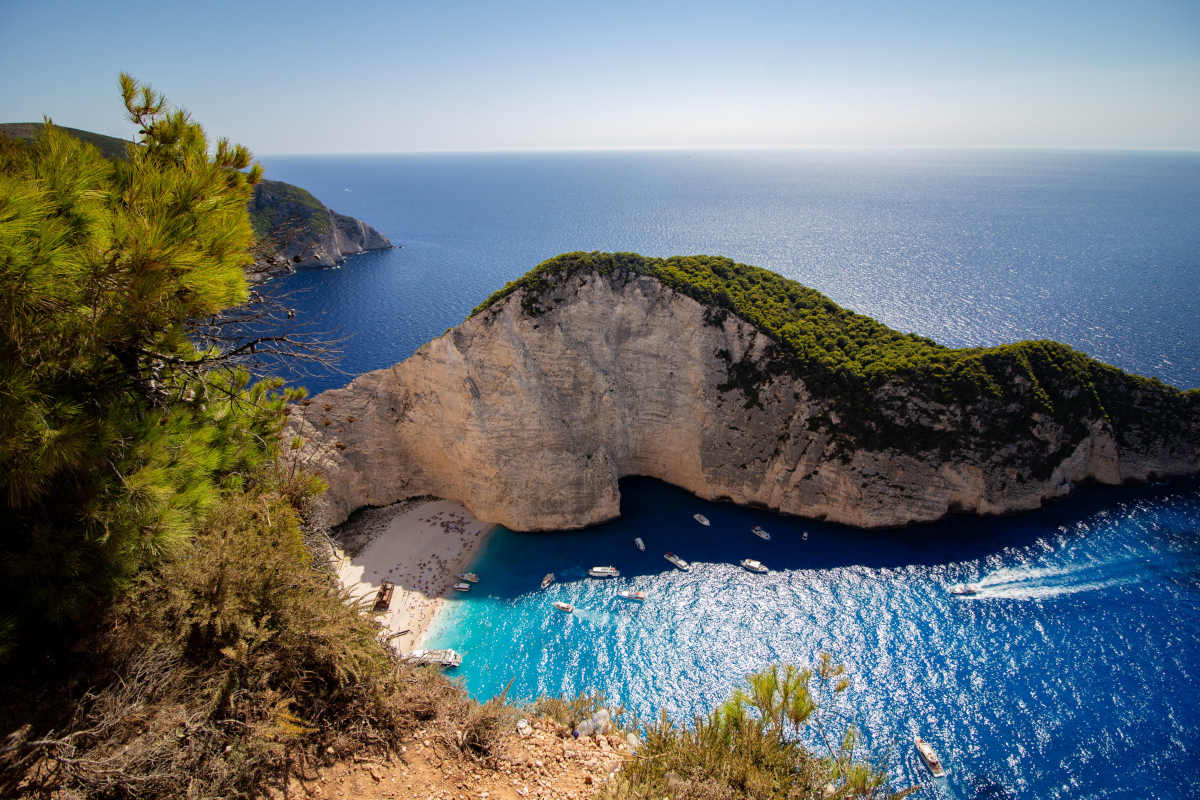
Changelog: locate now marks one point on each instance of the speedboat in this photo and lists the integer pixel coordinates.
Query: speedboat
(703, 520)
(929, 757)
(758, 531)
(462, 587)
(639, 544)
(965, 589)
(631, 594)
(677, 561)
(804, 536)
(603, 572)
(440, 658)
(561, 606)
(469, 577)
(752, 565)
(549, 579)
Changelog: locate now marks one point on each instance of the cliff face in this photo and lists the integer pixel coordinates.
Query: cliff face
(531, 410)
(296, 229)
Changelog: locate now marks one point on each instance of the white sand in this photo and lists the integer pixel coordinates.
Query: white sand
(419, 548)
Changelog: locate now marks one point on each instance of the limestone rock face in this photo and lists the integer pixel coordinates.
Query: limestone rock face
(531, 420)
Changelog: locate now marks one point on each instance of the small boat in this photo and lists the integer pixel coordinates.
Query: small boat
(758, 531)
(631, 594)
(703, 520)
(561, 606)
(469, 577)
(752, 565)
(440, 658)
(462, 587)
(604, 572)
(639, 544)
(677, 561)
(929, 757)
(804, 536)
(549, 579)
(383, 599)
(965, 589)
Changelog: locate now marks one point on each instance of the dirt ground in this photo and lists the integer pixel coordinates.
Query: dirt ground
(548, 764)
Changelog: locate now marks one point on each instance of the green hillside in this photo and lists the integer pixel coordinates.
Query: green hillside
(110, 147)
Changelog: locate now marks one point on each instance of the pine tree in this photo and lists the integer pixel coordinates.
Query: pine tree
(116, 431)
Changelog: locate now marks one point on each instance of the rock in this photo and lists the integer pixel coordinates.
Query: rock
(295, 229)
(530, 420)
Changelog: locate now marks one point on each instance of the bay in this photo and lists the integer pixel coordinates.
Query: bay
(1072, 674)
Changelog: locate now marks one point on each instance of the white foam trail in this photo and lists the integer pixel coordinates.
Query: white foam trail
(1042, 592)
(1035, 583)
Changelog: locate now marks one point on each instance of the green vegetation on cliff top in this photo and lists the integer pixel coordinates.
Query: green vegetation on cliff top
(849, 357)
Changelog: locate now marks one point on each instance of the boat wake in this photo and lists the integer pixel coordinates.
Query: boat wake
(1037, 583)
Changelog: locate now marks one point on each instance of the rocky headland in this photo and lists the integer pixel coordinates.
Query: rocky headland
(735, 384)
(295, 229)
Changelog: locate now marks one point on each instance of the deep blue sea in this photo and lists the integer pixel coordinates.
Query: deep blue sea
(1074, 673)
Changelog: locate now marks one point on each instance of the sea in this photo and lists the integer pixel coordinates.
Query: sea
(1075, 670)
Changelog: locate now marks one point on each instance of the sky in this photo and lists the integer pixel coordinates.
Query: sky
(374, 77)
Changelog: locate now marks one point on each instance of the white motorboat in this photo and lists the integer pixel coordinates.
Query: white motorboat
(929, 757)
(677, 561)
(469, 577)
(631, 594)
(965, 589)
(561, 606)
(604, 572)
(758, 531)
(440, 658)
(639, 544)
(752, 565)
(703, 520)
(804, 536)
(548, 579)
(462, 587)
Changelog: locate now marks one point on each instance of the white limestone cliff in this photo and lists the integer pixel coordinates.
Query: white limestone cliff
(530, 421)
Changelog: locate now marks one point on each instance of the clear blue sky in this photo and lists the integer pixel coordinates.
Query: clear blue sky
(330, 77)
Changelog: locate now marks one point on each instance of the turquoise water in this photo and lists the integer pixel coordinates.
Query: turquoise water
(1073, 674)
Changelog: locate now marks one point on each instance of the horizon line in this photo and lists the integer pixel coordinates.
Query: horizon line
(729, 148)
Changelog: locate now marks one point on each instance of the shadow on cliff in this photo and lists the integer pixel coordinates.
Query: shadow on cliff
(662, 516)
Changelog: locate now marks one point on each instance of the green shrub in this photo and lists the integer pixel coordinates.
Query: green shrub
(753, 746)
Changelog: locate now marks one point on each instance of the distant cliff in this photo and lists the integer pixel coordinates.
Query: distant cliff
(294, 229)
(738, 385)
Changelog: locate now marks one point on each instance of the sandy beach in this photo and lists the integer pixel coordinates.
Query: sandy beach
(417, 545)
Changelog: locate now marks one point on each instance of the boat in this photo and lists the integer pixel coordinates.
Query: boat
(549, 579)
(752, 565)
(469, 577)
(703, 520)
(929, 757)
(631, 594)
(561, 606)
(677, 561)
(383, 598)
(440, 658)
(965, 589)
(604, 572)
(758, 531)
(462, 587)
(804, 536)
(639, 544)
